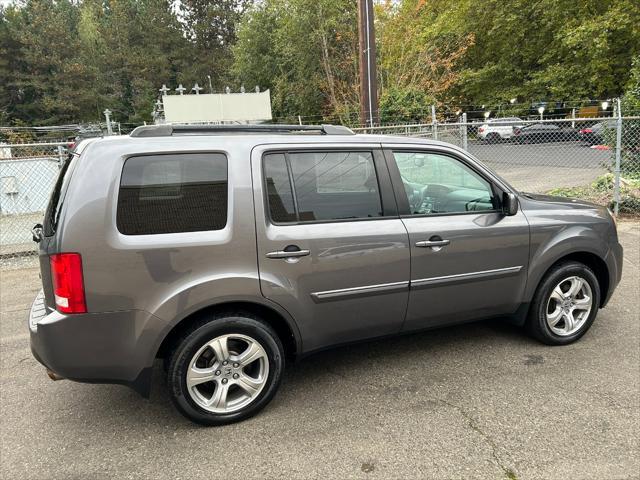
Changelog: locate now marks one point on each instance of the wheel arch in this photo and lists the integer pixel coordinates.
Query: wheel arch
(284, 326)
(591, 260)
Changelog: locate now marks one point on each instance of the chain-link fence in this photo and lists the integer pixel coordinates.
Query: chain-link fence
(597, 159)
(28, 172)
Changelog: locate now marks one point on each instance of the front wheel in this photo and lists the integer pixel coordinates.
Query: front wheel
(565, 305)
(226, 369)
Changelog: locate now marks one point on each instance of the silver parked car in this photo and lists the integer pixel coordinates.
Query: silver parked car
(226, 250)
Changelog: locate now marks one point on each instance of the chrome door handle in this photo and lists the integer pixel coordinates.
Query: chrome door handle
(285, 254)
(433, 243)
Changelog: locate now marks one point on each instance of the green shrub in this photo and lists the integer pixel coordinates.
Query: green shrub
(601, 192)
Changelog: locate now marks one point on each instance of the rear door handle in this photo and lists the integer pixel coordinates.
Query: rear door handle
(433, 243)
(288, 253)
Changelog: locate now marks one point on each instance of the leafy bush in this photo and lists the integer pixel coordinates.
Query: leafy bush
(601, 192)
(405, 105)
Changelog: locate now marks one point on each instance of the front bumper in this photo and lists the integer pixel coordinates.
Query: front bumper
(113, 347)
(614, 265)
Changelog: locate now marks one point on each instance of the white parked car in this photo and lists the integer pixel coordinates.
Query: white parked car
(498, 129)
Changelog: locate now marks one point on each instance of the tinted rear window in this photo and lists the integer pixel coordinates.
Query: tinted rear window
(173, 193)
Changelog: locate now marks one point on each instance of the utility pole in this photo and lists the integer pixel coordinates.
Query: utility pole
(368, 75)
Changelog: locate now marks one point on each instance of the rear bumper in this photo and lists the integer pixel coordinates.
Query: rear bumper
(113, 347)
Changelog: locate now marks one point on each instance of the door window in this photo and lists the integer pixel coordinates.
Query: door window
(321, 186)
(279, 191)
(435, 184)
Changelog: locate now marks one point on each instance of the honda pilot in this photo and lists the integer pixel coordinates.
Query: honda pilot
(227, 251)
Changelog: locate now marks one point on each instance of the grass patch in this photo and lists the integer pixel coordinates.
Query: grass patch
(601, 192)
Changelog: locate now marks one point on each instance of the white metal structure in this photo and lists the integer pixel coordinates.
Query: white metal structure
(214, 107)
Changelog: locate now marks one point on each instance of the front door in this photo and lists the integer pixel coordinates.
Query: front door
(468, 259)
(332, 250)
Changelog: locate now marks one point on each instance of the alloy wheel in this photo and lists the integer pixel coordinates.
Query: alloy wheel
(569, 306)
(227, 373)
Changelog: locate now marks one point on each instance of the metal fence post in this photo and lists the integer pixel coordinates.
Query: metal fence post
(434, 123)
(60, 156)
(465, 144)
(107, 115)
(616, 172)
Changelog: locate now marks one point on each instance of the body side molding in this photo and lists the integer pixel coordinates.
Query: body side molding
(464, 277)
(363, 291)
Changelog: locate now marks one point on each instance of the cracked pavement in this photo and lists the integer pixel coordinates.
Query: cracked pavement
(474, 401)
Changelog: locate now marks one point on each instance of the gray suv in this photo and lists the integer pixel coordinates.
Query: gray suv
(227, 250)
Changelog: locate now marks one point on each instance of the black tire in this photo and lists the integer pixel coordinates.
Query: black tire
(494, 138)
(536, 323)
(207, 329)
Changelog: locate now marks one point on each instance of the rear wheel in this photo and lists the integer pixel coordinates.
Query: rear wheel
(226, 369)
(565, 305)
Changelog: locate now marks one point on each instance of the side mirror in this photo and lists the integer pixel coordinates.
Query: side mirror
(36, 233)
(509, 203)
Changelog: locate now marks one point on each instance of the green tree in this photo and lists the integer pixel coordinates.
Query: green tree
(10, 64)
(141, 45)
(67, 60)
(210, 27)
(46, 83)
(416, 67)
(543, 50)
(405, 105)
(306, 52)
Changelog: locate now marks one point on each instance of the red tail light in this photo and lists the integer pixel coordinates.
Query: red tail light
(68, 282)
(586, 130)
(480, 130)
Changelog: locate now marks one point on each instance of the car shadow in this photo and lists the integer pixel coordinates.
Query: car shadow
(361, 361)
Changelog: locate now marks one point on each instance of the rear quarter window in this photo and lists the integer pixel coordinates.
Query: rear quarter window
(173, 193)
(52, 213)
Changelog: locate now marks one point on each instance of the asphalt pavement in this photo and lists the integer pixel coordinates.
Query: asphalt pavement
(475, 401)
(541, 167)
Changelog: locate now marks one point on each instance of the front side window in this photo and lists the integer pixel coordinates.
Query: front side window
(435, 183)
(321, 186)
(173, 193)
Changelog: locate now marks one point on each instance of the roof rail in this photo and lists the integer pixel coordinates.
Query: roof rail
(169, 130)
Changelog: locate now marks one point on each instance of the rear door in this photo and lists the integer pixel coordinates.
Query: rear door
(332, 250)
(468, 260)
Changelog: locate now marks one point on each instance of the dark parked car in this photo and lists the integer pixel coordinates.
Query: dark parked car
(594, 135)
(226, 250)
(544, 132)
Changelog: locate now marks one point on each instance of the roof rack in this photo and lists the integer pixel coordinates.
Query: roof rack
(169, 130)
